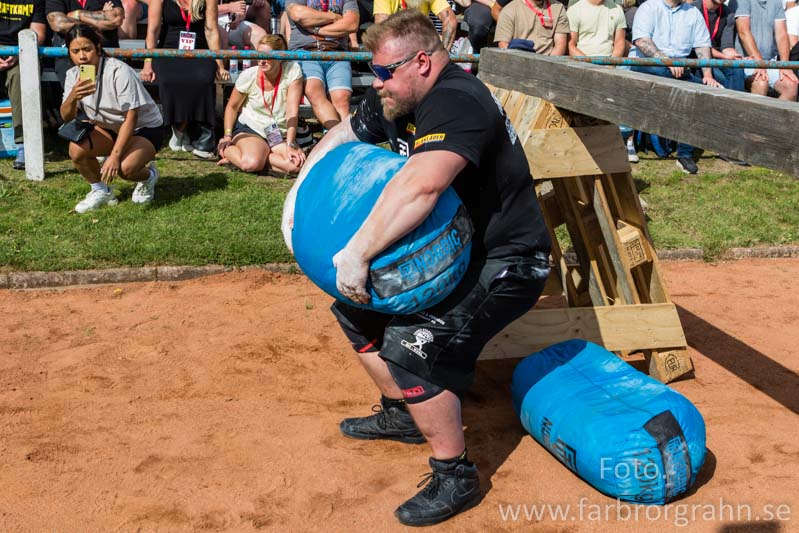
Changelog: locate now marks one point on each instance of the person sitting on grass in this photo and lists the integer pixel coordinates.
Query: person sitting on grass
(127, 126)
(264, 135)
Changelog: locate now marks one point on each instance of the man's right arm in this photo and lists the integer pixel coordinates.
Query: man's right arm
(308, 17)
(339, 134)
(56, 11)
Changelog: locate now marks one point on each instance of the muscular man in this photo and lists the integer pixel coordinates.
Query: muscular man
(671, 28)
(454, 133)
(105, 16)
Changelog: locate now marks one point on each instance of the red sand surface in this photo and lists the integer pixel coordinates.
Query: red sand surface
(214, 404)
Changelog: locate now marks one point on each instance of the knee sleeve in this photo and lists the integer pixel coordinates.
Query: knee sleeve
(414, 388)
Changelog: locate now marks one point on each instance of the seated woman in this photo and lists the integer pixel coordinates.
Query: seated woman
(265, 134)
(127, 126)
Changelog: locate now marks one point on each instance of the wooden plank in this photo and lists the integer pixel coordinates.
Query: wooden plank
(31, 105)
(618, 257)
(618, 327)
(568, 152)
(668, 365)
(756, 129)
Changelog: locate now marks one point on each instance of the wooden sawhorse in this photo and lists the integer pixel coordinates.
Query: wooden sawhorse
(615, 294)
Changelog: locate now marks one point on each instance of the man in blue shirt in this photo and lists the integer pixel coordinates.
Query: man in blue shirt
(672, 29)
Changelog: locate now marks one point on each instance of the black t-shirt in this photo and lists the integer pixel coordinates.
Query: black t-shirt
(17, 15)
(460, 115)
(110, 37)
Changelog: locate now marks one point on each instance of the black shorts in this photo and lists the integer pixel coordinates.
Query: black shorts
(239, 127)
(441, 344)
(154, 135)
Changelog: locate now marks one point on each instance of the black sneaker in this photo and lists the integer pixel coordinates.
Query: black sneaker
(391, 421)
(453, 487)
(687, 165)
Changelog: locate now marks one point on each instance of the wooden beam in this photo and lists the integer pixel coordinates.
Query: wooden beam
(617, 327)
(569, 152)
(758, 130)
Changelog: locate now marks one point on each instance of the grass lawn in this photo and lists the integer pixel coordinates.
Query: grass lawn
(205, 214)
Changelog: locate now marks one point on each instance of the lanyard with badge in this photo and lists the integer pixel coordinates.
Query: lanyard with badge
(187, 38)
(707, 20)
(272, 131)
(541, 15)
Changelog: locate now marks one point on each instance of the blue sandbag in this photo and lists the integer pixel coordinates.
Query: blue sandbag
(333, 201)
(628, 435)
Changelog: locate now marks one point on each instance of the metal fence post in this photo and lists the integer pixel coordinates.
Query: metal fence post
(31, 104)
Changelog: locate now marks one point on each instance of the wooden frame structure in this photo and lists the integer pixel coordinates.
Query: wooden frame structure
(565, 114)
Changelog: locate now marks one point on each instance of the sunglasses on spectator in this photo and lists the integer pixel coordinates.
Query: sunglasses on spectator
(385, 72)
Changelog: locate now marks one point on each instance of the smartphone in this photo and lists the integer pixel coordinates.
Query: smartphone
(86, 72)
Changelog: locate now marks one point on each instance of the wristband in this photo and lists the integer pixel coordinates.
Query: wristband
(74, 14)
(148, 59)
(316, 30)
(228, 133)
(293, 145)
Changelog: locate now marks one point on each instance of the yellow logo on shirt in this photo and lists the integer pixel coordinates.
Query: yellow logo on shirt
(26, 10)
(410, 128)
(432, 138)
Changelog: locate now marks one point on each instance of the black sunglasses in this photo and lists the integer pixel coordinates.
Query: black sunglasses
(384, 72)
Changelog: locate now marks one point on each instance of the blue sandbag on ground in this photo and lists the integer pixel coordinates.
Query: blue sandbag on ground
(332, 203)
(625, 433)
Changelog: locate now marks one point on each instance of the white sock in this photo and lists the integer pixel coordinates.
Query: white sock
(100, 186)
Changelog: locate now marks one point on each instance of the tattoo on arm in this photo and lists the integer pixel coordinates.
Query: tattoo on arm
(703, 52)
(105, 20)
(59, 22)
(448, 28)
(648, 48)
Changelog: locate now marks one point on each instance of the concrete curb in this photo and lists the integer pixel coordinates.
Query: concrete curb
(39, 280)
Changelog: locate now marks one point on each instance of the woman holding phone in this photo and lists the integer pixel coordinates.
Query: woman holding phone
(106, 97)
(262, 114)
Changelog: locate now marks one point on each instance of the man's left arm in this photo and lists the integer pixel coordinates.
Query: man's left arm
(784, 49)
(407, 200)
(703, 52)
(561, 37)
(702, 47)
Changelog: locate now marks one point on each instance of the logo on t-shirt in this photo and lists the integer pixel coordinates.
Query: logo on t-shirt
(432, 138)
(410, 128)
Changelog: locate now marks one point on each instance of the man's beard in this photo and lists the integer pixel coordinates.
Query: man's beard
(397, 107)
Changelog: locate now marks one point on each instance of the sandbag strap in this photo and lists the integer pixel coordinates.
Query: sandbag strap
(427, 262)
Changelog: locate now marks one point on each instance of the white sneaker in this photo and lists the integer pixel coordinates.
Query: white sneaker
(145, 190)
(632, 156)
(203, 154)
(180, 142)
(95, 200)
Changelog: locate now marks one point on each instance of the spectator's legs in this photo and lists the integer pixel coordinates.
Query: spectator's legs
(247, 152)
(730, 78)
(253, 33)
(756, 86)
(323, 109)
(137, 154)
(14, 88)
(338, 78)
(84, 155)
(478, 17)
(128, 28)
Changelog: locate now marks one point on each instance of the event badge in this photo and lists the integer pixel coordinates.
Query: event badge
(273, 135)
(187, 40)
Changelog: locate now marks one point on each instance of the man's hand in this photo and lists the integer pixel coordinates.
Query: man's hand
(789, 75)
(8, 62)
(677, 72)
(351, 275)
(710, 82)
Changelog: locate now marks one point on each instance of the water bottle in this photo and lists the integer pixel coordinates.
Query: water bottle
(234, 66)
(246, 63)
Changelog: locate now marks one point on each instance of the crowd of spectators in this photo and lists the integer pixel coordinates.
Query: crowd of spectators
(731, 29)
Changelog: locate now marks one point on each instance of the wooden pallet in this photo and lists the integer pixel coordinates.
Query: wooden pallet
(615, 293)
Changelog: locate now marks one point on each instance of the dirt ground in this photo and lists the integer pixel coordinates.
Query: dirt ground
(214, 404)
